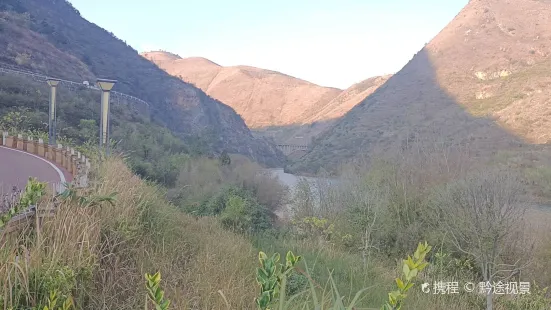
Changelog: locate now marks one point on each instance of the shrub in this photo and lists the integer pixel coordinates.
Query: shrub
(204, 184)
(237, 209)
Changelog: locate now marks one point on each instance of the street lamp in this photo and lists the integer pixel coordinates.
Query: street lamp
(52, 113)
(105, 86)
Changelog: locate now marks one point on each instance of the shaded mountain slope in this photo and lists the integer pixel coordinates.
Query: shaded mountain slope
(482, 81)
(51, 37)
(323, 118)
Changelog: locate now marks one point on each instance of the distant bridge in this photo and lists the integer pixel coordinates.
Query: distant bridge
(290, 148)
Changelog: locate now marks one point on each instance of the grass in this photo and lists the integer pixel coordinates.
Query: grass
(347, 270)
(98, 255)
(106, 251)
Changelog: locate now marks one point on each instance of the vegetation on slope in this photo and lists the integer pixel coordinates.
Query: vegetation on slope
(154, 151)
(51, 37)
(205, 243)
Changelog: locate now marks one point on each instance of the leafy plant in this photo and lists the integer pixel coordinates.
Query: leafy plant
(34, 190)
(154, 292)
(410, 270)
(52, 302)
(272, 277)
(71, 194)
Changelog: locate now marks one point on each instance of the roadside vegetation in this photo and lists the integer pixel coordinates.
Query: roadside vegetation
(199, 238)
(163, 206)
(344, 246)
(154, 153)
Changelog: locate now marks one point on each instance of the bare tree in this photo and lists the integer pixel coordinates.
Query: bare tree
(483, 213)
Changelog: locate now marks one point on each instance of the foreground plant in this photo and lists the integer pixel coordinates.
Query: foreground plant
(154, 293)
(410, 270)
(71, 194)
(52, 302)
(34, 190)
(272, 277)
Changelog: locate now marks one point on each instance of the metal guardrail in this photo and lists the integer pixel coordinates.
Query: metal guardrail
(9, 69)
(25, 219)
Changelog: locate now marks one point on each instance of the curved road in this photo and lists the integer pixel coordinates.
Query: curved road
(16, 167)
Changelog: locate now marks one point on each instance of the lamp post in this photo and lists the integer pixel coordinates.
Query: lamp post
(105, 86)
(52, 112)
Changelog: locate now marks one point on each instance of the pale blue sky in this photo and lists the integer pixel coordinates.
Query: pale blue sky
(332, 43)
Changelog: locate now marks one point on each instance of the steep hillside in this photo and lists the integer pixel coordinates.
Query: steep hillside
(290, 110)
(323, 118)
(348, 99)
(490, 66)
(51, 37)
(261, 97)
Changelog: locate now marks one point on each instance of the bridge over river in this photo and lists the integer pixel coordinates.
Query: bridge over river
(290, 148)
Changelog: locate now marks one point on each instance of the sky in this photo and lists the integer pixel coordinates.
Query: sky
(332, 43)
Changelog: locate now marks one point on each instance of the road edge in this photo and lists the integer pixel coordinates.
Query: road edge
(59, 172)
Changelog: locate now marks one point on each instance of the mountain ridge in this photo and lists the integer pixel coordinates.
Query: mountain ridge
(274, 104)
(485, 77)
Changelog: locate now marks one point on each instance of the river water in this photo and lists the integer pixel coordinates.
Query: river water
(291, 181)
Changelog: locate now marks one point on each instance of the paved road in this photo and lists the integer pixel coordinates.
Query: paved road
(16, 167)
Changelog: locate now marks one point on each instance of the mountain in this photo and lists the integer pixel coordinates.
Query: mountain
(50, 37)
(262, 97)
(347, 99)
(318, 121)
(271, 103)
(485, 80)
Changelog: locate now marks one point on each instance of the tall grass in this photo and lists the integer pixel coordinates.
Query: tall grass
(99, 254)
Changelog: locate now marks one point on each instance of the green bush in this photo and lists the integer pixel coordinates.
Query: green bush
(237, 208)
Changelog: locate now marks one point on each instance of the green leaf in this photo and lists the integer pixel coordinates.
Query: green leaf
(356, 297)
(262, 256)
(400, 283)
(405, 270)
(312, 288)
(413, 273)
(422, 266)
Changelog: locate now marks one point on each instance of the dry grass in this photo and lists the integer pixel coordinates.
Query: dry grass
(110, 248)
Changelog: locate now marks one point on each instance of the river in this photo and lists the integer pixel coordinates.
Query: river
(291, 181)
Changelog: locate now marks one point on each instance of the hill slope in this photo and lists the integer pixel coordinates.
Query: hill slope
(348, 99)
(317, 121)
(491, 60)
(261, 97)
(277, 105)
(50, 37)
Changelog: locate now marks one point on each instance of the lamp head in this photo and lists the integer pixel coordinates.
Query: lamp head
(106, 85)
(53, 82)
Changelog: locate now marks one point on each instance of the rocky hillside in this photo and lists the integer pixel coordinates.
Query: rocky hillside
(484, 80)
(50, 37)
(277, 105)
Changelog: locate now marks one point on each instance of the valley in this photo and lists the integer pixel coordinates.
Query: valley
(231, 183)
(288, 110)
